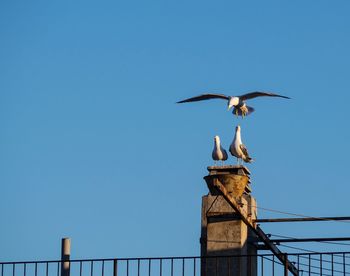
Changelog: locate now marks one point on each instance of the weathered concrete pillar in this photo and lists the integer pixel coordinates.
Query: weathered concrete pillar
(223, 233)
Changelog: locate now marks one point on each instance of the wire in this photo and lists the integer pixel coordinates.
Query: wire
(337, 243)
(324, 261)
(310, 251)
(294, 214)
(323, 268)
(298, 215)
(310, 266)
(302, 271)
(298, 248)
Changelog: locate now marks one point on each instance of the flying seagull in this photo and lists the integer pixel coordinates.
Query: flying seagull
(218, 152)
(237, 102)
(238, 149)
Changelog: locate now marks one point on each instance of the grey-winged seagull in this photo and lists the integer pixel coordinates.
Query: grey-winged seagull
(219, 153)
(238, 149)
(237, 102)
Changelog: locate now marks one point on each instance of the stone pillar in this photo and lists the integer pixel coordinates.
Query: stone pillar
(223, 233)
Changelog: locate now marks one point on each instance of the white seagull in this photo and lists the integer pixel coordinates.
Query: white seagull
(219, 153)
(237, 102)
(238, 149)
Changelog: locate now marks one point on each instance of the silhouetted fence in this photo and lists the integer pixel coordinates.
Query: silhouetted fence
(326, 264)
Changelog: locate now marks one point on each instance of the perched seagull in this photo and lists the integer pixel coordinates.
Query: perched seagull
(238, 149)
(237, 102)
(218, 152)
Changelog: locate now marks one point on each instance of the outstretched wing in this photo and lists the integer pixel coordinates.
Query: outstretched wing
(204, 97)
(260, 94)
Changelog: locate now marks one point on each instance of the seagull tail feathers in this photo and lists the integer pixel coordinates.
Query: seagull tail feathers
(248, 159)
(239, 112)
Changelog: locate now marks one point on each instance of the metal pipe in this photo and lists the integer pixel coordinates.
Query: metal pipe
(65, 256)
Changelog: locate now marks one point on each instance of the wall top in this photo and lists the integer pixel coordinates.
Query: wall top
(235, 178)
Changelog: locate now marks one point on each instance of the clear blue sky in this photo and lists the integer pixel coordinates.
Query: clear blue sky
(93, 146)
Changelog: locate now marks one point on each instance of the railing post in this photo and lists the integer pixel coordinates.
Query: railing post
(115, 268)
(65, 256)
(285, 265)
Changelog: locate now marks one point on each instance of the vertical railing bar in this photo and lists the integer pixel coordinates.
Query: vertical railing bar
(92, 268)
(229, 266)
(309, 264)
(285, 264)
(332, 263)
(13, 269)
(2, 269)
(344, 263)
(250, 258)
(25, 269)
(138, 267)
(36, 269)
(262, 265)
(127, 267)
(81, 268)
(172, 267)
(160, 267)
(273, 265)
(58, 268)
(149, 267)
(194, 266)
(103, 268)
(183, 266)
(298, 259)
(115, 267)
(47, 269)
(320, 264)
(216, 266)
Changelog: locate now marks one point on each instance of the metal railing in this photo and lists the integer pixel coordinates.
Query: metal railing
(325, 264)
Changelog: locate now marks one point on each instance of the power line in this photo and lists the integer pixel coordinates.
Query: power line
(329, 242)
(298, 248)
(297, 215)
(300, 215)
(289, 219)
(310, 266)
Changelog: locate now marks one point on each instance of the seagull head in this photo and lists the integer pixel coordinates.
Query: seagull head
(238, 128)
(217, 141)
(232, 101)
